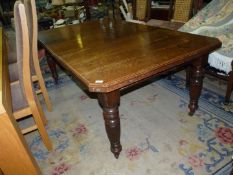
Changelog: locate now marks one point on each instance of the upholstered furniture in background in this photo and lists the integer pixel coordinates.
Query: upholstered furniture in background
(216, 20)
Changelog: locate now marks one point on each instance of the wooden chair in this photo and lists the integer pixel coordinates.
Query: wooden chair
(24, 99)
(141, 10)
(35, 66)
(179, 12)
(182, 10)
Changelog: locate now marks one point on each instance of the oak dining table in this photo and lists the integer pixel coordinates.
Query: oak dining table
(109, 55)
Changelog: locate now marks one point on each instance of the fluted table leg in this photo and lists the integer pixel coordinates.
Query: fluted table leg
(110, 103)
(196, 81)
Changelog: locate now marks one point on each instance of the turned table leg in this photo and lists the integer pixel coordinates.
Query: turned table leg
(50, 61)
(53, 69)
(231, 172)
(110, 103)
(196, 81)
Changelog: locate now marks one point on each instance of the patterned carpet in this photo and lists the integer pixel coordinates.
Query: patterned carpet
(158, 136)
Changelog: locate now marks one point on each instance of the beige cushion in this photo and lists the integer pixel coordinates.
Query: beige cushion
(17, 97)
(11, 47)
(12, 57)
(13, 72)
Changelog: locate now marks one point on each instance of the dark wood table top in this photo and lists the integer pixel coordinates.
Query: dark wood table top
(107, 55)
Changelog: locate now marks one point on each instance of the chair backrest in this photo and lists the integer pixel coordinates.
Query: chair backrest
(23, 51)
(30, 9)
(179, 10)
(141, 9)
(197, 6)
(182, 10)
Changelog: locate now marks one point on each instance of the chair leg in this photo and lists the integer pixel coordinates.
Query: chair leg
(42, 116)
(42, 84)
(44, 92)
(37, 114)
(229, 88)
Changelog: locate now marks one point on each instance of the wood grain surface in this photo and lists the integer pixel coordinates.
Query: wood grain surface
(107, 55)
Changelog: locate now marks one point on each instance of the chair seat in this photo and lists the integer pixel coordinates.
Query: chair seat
(220, 62)
(18, 98)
